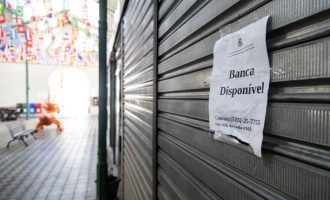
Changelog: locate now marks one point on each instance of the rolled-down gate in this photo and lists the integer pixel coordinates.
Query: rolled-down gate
(189, 163)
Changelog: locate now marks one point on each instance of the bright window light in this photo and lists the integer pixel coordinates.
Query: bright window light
(69, 88)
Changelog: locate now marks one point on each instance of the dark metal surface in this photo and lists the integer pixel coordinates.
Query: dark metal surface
(274, 170)
(112, 70)
(138, 100)
(155, 103)
(102, 165)
(121, 39)
(190, 164)
(296, 152)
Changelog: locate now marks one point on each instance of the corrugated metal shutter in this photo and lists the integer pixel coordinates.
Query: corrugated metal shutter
(118, 119)
(191, 165)
(138, 99)
(296, 156)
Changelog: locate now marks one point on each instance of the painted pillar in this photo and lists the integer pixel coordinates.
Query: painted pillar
(102, 165)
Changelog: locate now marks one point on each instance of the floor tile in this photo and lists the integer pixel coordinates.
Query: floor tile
(56, 166)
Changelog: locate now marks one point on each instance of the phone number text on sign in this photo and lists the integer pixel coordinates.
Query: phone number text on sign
(238, 120)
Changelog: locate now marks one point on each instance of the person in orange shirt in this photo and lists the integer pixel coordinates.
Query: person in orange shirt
(49, 118)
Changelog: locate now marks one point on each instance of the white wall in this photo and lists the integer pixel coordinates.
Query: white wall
(93, 75)
(12, 82)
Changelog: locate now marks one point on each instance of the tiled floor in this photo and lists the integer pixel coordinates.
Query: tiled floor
(56, 166)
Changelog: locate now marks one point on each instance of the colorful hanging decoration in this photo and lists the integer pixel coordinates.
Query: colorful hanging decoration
(13, 34)
(51, 38)
(74, 22)
(29, 43)
(87, 32)
(29, 39)
(29, 35)
(60, 22)
(16, 19)
(2, 9)
(21, 28)
(2, 19)
(19, 11)
(1, 33)
(6, 4)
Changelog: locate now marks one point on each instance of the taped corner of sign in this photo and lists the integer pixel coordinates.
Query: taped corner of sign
(223, 137)
(222, 33)
(211, 133)
(239, 86)
(254, 146)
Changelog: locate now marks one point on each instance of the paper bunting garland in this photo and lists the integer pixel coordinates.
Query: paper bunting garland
(21, 28)
(29, 43)
(88, 34)
(2, 9)
(2, 19)
(1, 34)
(50, 38)
(16, 19)
(60, 22)
(19, 11)
(74, 23)
(28, 35)
(6, 4)
(13, 34)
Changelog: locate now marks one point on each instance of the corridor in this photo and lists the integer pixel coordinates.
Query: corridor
(55, 166)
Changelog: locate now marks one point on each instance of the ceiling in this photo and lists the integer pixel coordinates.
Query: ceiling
(113, 16)
(63, 31)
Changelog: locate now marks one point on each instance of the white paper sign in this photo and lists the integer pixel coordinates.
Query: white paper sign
(239, 85)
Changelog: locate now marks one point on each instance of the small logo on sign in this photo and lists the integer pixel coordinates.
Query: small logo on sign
(240, 43)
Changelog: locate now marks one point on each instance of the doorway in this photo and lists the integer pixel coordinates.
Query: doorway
(69, 88)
